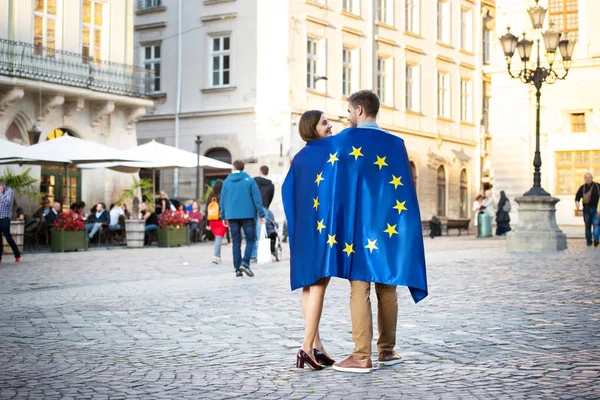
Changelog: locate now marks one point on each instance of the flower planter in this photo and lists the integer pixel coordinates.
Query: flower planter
(69, 240)
(17, 228)
(134, 233)
(173, 237)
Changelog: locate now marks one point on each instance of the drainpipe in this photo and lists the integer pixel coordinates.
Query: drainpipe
(178, 101)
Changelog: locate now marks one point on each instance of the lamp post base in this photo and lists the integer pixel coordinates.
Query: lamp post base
(537, 230)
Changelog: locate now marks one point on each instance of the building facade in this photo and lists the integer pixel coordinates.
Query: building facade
(249, 69)
(66, 66)
(570, 110)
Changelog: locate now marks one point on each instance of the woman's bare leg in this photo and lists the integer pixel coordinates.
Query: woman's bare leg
(313, 308)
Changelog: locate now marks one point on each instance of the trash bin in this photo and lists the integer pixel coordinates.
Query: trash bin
(484, 224)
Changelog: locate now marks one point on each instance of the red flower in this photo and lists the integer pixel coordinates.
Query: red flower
(69, 222)
(175, 219)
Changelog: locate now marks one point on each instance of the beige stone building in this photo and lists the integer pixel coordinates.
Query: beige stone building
(249, 69)
(570, 110)
(66, 66)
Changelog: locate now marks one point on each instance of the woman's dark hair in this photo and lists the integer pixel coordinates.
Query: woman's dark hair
(74, 207)
(480, 197)
(216, 189)
(308, 125)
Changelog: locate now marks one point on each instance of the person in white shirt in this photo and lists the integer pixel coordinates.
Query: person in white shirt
(115, 214)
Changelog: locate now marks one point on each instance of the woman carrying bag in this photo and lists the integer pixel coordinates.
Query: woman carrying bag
(502, 215)
(216, 224)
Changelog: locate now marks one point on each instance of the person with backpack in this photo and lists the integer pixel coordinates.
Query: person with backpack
(589, 195)
(503, 215)
(213, 215)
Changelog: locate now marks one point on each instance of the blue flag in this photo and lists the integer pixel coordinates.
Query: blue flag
(352, 212)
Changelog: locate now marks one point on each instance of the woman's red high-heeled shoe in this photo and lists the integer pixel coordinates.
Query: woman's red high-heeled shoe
(303, 358)
(323, 358)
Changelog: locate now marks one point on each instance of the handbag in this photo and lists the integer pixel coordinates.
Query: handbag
(587, 197)
(263, 253)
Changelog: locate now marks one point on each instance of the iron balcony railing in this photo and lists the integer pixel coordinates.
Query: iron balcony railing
(25, 60)
(148, 4)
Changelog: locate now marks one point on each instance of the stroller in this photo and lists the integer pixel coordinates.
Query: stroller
(272, 228)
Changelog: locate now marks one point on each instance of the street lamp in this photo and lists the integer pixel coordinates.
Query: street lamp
(537, 74)
(198, 143)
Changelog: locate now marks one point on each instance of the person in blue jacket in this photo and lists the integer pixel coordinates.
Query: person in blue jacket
(240, 203)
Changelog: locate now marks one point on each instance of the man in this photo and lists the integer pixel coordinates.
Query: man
(363, 108)
(115, 213)
(588, 194)
(52, 216)
(7, 197)
(43, 210)
(267, 191)
(96, 220)
(240, 203)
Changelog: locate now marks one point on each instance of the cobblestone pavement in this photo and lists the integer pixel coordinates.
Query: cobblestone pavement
(166, 323)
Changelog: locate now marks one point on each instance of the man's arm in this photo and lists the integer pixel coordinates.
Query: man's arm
(223, 202)
(578, 197)
(255, 194)
(7, 197)
(271, 194)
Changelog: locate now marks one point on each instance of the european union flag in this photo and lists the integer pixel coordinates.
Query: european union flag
(352, 212)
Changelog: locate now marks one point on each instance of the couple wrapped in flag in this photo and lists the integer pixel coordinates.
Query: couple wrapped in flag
(352, 213)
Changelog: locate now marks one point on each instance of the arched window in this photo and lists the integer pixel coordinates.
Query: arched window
(13, 134)
(441, 192)
(464, 194)
(220, 154)
(55, 134)
(413, 169)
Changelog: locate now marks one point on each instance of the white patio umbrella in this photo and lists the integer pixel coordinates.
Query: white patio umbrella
(12, 153)
(77, 151)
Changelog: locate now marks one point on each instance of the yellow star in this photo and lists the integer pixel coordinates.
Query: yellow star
(316, 203)
(400, 206)
(381, 162)
(396, 181)
(391, 230)
(320, 225)
(356, 153)
(349, 249)
(333, 158)
(319, 179)
(372, 245)
(331, 240)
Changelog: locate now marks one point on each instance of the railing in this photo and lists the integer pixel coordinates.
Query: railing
(25, 60)
(148, 4)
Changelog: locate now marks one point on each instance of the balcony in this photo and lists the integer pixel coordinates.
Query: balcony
(25, 60)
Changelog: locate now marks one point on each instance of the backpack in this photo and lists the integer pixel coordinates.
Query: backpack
(213, 211)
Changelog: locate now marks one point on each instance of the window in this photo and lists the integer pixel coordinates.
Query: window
(486, 46)
(464, 194)
(443, 91)
(351, 6)
(347, 72)
(146, 4)
(220, 55)
(412, 16)
(485, 107)
(466, 104)
(443, 21)
(570, 168)
(44, 27)
(578, 122)
(384, 81)
(466, 30)
(314, 65)
(152, 62)
(385, 12)
(91, 35)
(413, 88)
(565, 16)
(441, 192)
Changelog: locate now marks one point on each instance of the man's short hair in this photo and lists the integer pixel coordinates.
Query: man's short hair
(264, 170)
(239, 165)
(368, 100)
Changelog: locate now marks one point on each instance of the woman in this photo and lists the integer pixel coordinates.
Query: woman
(502, 215)
(216, 225)
(477, 207)
(151, 221)
(313, 125)
(195, 217)
(163, 203)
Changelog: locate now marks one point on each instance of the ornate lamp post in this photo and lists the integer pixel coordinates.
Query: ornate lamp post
(537, 229)
(538, 75)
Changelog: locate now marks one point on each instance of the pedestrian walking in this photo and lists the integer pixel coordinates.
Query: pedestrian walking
(215, 223)
(240, 203)
(267, 191)
(588, 194)
(7, 198)
(347, 219)
(502, 215)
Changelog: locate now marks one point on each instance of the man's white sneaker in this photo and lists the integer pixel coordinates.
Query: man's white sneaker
(216, 260)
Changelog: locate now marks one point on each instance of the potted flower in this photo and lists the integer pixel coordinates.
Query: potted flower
(173, 229)
(134, 227)
(69, 232)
